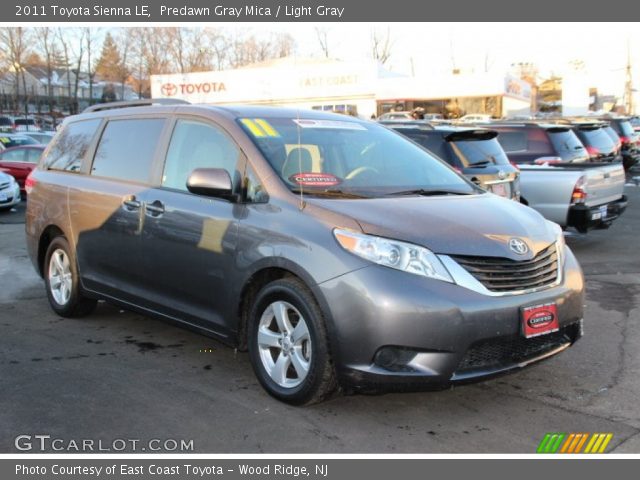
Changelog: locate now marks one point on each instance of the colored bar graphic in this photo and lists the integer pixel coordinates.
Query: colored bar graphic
(556, 442)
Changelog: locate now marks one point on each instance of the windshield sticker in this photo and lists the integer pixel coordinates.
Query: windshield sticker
(260, 127)
(308, 179)
(336, 124)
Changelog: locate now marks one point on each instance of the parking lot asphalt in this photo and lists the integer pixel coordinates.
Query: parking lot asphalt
(120, 375)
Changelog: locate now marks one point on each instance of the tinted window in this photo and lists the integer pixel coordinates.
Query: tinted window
(12, 155)
(625, 128)
(33, 155)
(5, 121)
(16, 141)
(475, 152)
(197, 145)
(513, 141)
(127, 148)
(432, 141)
(25, 121)
(70, 146)
(567, 145)
(597, 138)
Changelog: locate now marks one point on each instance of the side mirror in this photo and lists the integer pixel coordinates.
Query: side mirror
(211, 182)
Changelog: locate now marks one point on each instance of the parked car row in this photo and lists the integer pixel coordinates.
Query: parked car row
(570, 171)
(19, 155)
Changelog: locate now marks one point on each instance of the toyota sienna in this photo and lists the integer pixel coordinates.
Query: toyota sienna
(338, 253)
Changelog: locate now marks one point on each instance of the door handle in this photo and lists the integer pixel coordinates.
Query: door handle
(130, 203)
(154, 209)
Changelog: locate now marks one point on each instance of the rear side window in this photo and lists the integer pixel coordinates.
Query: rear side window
(5, 121)
(70, 146)
(127, 148)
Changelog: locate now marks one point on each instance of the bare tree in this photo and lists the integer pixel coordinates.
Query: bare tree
(14, 42)
(72, 43)
(91, 35)
(323, 39)
(125, 39)
(217, 46)
(381, 44)
(48, 45)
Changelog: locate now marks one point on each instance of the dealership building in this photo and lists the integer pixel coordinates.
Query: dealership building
(362, 88)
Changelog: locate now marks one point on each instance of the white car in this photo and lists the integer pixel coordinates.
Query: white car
(395, 116)
(9, 191)
(475, 118)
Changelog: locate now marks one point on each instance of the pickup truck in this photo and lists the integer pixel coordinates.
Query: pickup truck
(584, 196)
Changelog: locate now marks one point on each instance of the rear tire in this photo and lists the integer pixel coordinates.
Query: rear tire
(288, 344)
(63, 283)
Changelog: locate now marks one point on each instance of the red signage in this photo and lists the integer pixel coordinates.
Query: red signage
(171, 89)
(539, 320)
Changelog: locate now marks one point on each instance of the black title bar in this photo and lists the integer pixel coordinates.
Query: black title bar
(141, 11)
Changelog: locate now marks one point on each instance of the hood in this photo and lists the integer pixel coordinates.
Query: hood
(477, 225)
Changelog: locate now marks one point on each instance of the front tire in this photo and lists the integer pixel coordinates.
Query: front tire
(63, 283)
(288, 344)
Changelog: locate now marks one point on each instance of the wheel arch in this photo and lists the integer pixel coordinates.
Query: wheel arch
(46, 237)
(266, 272)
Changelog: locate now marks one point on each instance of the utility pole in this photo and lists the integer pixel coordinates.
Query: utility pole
(628, 87)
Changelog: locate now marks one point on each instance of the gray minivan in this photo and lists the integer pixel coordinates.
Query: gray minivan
(338, 253)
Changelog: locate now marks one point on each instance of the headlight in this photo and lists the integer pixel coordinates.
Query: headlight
(393, 253)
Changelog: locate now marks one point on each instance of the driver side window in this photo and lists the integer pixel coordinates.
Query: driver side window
(194, 145)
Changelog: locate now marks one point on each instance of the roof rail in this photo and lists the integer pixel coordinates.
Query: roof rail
(145, 102)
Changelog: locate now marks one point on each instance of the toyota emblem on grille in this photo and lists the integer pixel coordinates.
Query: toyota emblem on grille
(518, 246)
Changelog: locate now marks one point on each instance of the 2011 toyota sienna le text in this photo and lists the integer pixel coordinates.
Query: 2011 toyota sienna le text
(340, 254)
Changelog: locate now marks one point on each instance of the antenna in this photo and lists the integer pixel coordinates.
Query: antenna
(302, 204)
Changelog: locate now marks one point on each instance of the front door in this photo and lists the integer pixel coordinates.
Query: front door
(189, 241)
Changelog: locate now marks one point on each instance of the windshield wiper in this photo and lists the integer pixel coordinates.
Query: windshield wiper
(328, 193)
(427, 193)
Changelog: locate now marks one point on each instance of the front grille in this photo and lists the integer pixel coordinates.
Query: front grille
(505, 275)
(503, 352)
(4, 185)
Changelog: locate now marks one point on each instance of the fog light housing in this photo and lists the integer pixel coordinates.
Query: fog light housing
(395, 359)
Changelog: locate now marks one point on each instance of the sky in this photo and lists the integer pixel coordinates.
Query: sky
(424, 48)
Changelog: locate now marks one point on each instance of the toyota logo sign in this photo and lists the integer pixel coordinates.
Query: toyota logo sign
(518, 246)
(169, 89)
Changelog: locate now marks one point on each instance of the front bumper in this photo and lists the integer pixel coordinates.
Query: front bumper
(10, 197)
(585, 218)
(394, 330)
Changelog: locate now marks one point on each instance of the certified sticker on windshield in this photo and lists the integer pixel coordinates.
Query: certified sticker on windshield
(307, 179)
(334, 124)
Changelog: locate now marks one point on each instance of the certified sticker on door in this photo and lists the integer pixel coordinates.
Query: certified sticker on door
(539, 320)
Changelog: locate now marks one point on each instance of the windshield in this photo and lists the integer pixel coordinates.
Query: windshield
(8, 142)
(348, 158)
(567, 145)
